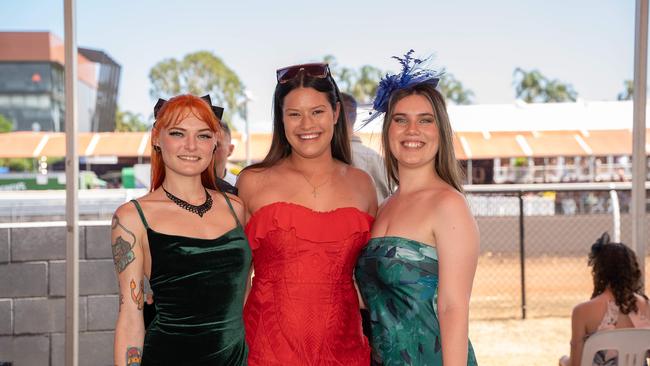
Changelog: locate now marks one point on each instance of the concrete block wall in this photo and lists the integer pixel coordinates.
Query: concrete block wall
(32, 296)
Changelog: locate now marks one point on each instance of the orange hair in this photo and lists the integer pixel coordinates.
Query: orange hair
(172, 113)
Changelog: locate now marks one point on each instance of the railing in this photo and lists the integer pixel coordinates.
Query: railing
(606, 172)
(534, 238)
(534, 244)
(94, 204)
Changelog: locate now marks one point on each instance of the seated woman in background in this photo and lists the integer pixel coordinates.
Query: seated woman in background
(617, 301)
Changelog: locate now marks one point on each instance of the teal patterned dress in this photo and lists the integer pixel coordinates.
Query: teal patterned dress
(398, 279)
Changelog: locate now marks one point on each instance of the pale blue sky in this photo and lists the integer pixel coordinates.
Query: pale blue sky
(588, 43)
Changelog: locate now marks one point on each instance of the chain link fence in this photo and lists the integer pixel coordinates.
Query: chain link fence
(534, 245)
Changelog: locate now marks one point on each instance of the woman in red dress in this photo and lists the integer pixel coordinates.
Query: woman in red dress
(309, 216)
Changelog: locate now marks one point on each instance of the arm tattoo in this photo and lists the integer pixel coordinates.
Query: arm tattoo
(121, 302)
(137, 296)
(133, 356)
(122, 248)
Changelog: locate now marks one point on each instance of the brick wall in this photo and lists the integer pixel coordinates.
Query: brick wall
(32, 296)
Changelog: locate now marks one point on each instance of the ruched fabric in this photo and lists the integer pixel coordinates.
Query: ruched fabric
(199, 287)
(303, 307)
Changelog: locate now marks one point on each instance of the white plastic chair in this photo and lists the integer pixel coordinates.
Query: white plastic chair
(631, 344)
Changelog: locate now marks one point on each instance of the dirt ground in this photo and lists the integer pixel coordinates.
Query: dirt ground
(530, 342)
(553, 287)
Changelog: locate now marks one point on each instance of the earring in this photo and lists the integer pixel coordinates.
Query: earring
(156, 148)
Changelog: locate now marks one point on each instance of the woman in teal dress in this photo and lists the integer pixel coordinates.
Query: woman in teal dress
(416, 273)
(186, 237)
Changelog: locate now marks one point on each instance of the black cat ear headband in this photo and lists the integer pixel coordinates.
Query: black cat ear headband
(218, 111)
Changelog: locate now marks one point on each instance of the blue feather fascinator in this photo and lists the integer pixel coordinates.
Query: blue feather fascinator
(413, 72)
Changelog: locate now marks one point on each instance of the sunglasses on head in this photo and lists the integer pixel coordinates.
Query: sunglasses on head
(315, 70)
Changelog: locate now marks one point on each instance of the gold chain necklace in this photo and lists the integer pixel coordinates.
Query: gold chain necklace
(314, 191)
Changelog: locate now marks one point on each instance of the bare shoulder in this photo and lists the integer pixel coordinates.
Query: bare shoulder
(359, 179)
(583, 309)
(126, 217)
(237, 205)
(358, 175)
(249, 179)
(447, 202)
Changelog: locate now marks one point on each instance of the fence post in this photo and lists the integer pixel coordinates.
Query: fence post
(522, 254)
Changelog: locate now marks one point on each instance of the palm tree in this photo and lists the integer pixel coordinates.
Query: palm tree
(628, 93)
(366, 83)
(361, 83)
(556, 92)
(344, 76)
(533, 87)
(529, 85)
(454, 91)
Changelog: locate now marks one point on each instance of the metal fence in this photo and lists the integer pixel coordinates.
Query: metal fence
(534, 244)
(534, 238)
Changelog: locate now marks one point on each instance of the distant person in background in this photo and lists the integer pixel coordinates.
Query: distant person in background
(224, 150)
(617, 300)
(364, 157)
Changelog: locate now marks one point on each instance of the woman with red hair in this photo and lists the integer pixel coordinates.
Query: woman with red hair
(185, 236)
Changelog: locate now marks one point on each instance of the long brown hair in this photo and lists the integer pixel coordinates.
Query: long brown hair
(614, 265)
(172, 113)
(280, 147)
(445, 163)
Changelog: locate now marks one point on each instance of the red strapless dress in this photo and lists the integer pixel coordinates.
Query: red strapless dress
(303, 308)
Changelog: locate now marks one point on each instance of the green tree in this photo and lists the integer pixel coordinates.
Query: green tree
(454, 90)
(14, 164)
(18, 164)
(366, 83)
(344, 76)
(126, 121)
(533, 87)
(5, 124)
(628, 93)
(199, 73)
(361, 83)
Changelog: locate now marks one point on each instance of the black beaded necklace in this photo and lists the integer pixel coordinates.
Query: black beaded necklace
(199, 210)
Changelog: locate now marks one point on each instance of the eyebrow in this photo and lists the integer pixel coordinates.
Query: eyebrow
(419, 115)
(297, 109)
(184, 129)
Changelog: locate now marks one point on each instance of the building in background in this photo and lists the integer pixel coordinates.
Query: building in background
(32, 84)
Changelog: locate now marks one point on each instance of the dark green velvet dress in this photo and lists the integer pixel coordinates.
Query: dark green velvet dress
(398, 280)
(199, 287)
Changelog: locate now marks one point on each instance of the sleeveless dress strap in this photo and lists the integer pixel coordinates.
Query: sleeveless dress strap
(232, 210)
(137, 206)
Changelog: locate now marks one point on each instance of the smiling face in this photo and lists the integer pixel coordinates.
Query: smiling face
(413, 132)
(187, 147)
(309, 122)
